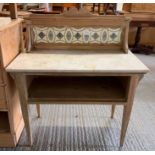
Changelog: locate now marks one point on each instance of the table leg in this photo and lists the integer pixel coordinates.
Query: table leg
(21, 86)
(138, 36)
(38, 109)
(113, 110)
(128, 107)
(137, 48)
(93, 8)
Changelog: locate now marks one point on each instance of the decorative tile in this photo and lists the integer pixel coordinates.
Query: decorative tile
(40, 34)
(104, 36)
(51, 35)
(114, 35)
(68, 35)
(95, 34)
(77, 35)
(59, 34)
(84, 35)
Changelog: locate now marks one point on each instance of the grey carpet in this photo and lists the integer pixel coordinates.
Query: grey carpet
(89, 127)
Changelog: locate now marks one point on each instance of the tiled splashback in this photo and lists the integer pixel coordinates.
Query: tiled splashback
(84, 35)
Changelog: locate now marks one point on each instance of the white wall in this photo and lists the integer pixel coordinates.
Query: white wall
(119, 6)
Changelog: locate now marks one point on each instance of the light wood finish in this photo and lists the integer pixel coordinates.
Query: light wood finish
(21, 85)
(11, 41)
(79, 18)
(77, 62)
(19, 78)
(10, 46)
(4, 21)
(77, 76)
(128, 107)
(13, 104)
(131, 86)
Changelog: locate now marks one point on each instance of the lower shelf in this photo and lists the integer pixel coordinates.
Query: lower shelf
(80, 89)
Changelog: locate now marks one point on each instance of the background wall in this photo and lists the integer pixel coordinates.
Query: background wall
(148, 34)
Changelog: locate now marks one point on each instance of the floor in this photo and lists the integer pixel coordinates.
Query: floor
(89, 127)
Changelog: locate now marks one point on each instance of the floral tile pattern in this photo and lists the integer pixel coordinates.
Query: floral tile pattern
(84, 35)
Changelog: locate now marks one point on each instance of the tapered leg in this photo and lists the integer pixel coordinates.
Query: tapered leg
(113, 110)
(128, 107)
(21, 86)
(38, 110)
(125, 122)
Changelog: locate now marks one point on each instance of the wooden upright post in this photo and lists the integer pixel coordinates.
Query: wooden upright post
(13, 10)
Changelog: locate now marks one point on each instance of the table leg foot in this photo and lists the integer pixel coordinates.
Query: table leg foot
(30, 140)
(125, 122)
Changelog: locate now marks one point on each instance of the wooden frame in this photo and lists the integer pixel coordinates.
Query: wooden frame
(24, 66)
(10, 111)
(127, 74)
(79, 18)
(21, 84)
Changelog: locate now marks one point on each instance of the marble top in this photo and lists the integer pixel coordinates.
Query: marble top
(92, 62)
(4, 21)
